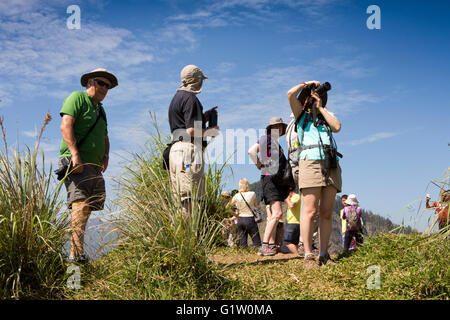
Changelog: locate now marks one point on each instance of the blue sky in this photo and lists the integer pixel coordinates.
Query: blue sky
(390, 86)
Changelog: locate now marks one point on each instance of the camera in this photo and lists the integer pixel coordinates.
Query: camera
(212, 119)
(330, 157)
(321, 90)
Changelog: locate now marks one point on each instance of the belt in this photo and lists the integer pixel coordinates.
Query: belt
(192, 140)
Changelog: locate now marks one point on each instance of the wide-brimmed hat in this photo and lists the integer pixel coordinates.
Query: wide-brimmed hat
(226, 194)
(100, 72)
(351, 200)
(306, 92)
(274, 121)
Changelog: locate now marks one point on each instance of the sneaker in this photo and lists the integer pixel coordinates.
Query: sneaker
(315, 250)
(267, 250)
(301, 249)
(310, 262)
(326, 260)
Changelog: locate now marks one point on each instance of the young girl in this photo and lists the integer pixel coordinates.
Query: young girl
(353, 225)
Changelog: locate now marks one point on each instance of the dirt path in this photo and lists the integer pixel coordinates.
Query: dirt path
(251, 258)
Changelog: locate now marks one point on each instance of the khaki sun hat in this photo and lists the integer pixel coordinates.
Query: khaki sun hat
(226, 194)
(191, 73)
(351, 200)
(274, 121)
(100, 72)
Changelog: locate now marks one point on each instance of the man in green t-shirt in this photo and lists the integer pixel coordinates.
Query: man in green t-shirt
(85, 148)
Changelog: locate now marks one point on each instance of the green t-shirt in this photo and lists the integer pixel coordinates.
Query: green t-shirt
(79, 105)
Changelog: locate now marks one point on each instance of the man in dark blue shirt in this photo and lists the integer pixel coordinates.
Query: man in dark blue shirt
(188, 126)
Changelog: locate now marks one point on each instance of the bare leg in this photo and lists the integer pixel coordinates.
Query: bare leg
(271, 224)
(326, 209)
(310, 203)
(80, 215)
(292, 247)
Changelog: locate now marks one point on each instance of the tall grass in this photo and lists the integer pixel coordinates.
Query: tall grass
(160, 254)
(32, 229)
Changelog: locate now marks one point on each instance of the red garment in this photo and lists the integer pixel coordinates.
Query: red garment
(441, 209)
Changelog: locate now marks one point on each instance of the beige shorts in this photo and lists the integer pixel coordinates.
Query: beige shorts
(187, 185)
(311, 175)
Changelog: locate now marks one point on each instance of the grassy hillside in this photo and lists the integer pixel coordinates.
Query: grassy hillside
(410, 267)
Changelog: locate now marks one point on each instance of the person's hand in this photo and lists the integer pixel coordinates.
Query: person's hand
(77, 164)
(318, 101)
(105, 162)
(258, 164)
(207, 113)
(212, 132)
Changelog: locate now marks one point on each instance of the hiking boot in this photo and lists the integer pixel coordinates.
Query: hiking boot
(310, 262)
(326, 260)
(267, 250)
(78, 258)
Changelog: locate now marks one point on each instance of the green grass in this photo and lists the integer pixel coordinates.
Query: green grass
(160, 255)
(411, 267)
(33, 228)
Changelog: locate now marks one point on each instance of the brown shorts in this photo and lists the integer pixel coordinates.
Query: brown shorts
(311, 174)
(88, 186)
(185, 184)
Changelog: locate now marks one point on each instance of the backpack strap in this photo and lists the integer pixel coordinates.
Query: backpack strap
(247, 204)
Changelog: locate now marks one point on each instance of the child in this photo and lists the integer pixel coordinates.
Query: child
(292, 229)
(352, 215)
(343, 221)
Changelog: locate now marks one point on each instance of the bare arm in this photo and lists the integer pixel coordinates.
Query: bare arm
(234, 212)
(332, 121)
(292, 94)
(253, 153)
(68, 135)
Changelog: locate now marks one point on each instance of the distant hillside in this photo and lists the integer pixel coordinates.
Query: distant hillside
(374, 224)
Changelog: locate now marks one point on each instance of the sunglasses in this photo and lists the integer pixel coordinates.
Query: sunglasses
(102, 83)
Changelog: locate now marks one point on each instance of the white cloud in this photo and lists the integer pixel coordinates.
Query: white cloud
(30, 134)
(224, 67)
(39, 47)
(372, 138)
